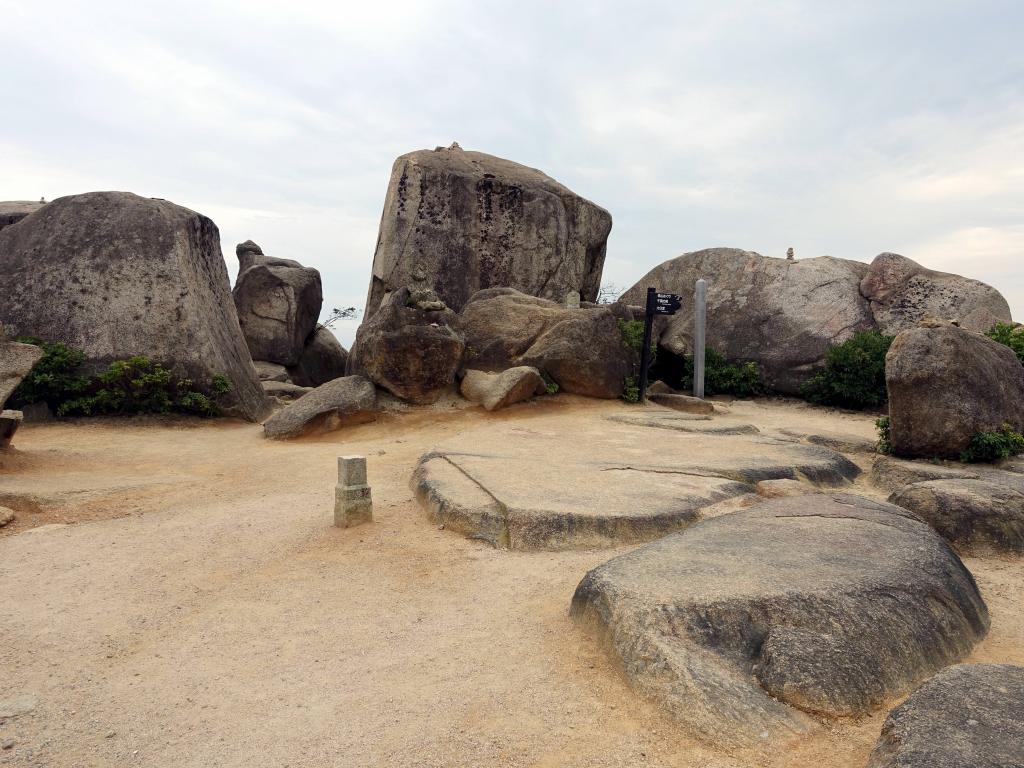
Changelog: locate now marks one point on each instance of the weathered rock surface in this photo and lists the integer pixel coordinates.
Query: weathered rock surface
(6, 516)
(892, 473)
(945, 385)
(684, 403)
(498, 390)
(616, 484)
(118, 275)
(340, 403)
(902, 293)
(9, 423)
(267, 371)
(13, 211)
(969, 513)
(837, 441)
(823, 604)
(459, 221)
(16, 360)
(683, 423)
(323, 359)
(278, 303)
(967, 716)
(783, 315)
(580, 349)
(413, 353)
(284, 390)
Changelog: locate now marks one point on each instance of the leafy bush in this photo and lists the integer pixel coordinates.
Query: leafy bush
(135, 385)
(633, 336)
(54, 378)
(884, 444)
(631, 391)
(722, 377)
(994, 446)
(1011, 336)
(854, 373)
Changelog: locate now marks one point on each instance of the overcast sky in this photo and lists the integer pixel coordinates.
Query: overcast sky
(845, 129)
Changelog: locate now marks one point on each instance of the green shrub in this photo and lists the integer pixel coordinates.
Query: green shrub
(854, 373)
(631, 390)
(54, 378)
(1011, 336)
(884, 444)
(135, 385)
(633, 336)
(722, 377)
(994, 446)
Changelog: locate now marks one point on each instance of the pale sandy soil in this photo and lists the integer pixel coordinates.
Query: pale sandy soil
(200, 610)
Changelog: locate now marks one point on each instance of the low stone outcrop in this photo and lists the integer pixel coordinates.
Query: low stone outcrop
(268, 371)
(340, 403)
(580, 349)
(9, 423)
(744, 625)
(945, 385)
(412, 352)
(970, 513)
(284, 390)
(499, 390)
(967, 716)
(278, 303)
(457, 222)
(16, 360)
(892, 474)
(902, 293)
(13, 211)
(322, 359)
(684, 403)
(117, 275)
(783, 315)
(616, 484)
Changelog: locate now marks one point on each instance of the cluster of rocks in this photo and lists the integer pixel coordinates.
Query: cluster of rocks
(785, 315)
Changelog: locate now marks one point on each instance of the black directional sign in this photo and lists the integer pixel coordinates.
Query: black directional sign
(657, 304)
(667, 303)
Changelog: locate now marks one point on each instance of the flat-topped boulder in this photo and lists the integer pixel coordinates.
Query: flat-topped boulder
(783, 315)
(750, 626)
(340, 403)
(902, 293)
(117, 275)
(610, 484)
(458, 221)
(971, 514)
(16, 361)
(967, 716)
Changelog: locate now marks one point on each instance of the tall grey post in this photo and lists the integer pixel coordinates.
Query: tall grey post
(352, 502)
(700, 322)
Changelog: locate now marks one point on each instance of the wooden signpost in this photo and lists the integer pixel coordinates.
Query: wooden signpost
(657, 304)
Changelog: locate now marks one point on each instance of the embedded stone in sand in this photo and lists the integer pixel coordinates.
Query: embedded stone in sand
(743, 624)
(603, 485)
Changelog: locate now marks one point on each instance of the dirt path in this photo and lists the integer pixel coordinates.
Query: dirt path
(202, 611)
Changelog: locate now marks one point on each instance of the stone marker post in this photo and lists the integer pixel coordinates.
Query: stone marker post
(352, 502)
(700, 318)
(572, 300)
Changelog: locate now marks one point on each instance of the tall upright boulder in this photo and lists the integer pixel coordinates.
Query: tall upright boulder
(902, 293)
(116, 275)
(457, 222)
(945, 385)
(783, 315)
(278, 303)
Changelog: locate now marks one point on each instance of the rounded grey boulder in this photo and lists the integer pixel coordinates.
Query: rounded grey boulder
(340, 403)
(499, 390)
(117, 275)
(458, 221)
(826, 604)
(967, 716)
(323, 359)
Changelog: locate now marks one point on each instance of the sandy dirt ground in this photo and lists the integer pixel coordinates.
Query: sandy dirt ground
(174, 594)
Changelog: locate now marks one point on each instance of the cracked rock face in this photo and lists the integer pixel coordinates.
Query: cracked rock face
(968, 715)
(783, 315)
(744, 625)
(458, 221)
(615, 483)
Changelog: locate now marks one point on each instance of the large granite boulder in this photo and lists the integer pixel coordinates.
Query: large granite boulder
(580, 349)
(783, 315)
(945, 385)
(16, 360)
(967, 716)
(278, 303)
(340, 403)
(746, 624)
(458, 221)
(322, 359)
(902, 293)
(500, 390)
(970, 513)
(13, 211)
(117, 275)
(412, 347)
